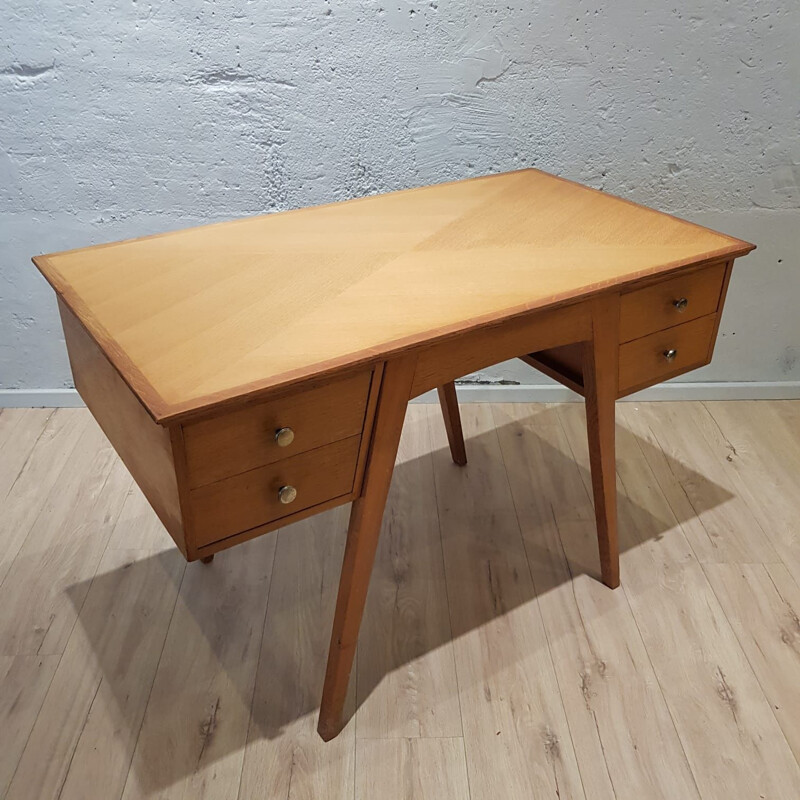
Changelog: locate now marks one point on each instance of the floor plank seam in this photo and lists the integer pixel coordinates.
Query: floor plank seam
(99, 558)
(77, 740)
(28, 456)
(30, 732)
(24, 539)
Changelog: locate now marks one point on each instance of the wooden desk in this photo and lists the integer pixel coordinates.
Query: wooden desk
(255, 372)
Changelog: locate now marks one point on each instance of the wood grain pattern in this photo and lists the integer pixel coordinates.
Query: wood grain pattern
(143, 581)
(401, 769)
(127, 612)
(762, 601)
(652, 308)
(618, 718)
(144, 446)
(248, 500)
(754, 446)
(74, 526)
(703, 667)
(225, 312)
(194, 730)
(232, 443)
(719, 709)
(726, 531)
(24, 681)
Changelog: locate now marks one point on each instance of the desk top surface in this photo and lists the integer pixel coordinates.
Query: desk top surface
(200, 316)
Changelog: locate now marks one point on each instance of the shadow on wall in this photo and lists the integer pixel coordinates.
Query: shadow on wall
(213, 691)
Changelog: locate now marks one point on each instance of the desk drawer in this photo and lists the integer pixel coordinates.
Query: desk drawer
(649, 360)
(671, 302)
(242, 440)
(245, 501)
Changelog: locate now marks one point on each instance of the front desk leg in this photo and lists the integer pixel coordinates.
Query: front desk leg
(600, 377)
(362, 541)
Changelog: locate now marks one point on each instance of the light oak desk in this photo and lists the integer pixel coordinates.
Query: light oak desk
(255, 372)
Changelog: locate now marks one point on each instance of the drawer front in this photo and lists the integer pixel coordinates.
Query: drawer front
(240, 441)
(245, 501)
(644, 362)
(670, 302)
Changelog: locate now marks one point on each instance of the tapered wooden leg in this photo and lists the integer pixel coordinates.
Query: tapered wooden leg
(208, 559)
(452, 422)
(362, 541)
(600, 384)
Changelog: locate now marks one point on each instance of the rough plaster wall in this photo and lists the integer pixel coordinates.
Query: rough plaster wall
(127, 118)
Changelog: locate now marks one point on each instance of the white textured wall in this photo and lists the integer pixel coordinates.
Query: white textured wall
(126, 118)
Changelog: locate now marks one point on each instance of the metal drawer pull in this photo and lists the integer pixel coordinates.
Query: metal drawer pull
(681, 303)
(284, 437)
(287, 494)
(670, 354)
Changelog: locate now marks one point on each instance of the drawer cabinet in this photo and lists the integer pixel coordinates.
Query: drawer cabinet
(671, 302)
(217, 481)
(664, 354)
(665, 328)
(277, 490)
(253, 469)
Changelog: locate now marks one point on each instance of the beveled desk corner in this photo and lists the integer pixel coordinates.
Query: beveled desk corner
(253, 373)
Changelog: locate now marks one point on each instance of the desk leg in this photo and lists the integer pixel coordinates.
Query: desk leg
(452, 422)
(362, 541)
(600, 376)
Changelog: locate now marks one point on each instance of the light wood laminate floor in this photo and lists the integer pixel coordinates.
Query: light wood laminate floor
(491, 664)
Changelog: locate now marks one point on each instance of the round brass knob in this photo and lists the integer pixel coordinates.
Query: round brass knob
(681, 303)
(284, 437)
(287, 494)
(670, 354)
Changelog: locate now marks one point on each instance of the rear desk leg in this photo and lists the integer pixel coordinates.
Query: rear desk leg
(362, 540)
(452, 422)
(600, 384)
